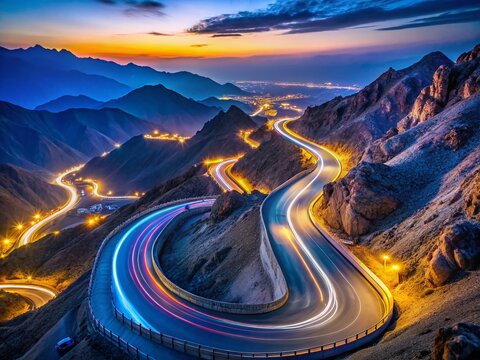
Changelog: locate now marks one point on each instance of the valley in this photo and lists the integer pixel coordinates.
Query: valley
(150, 214)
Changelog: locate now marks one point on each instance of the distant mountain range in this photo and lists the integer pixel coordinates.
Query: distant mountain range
(141, 163)
(70, 102)
(33, 76)
(41, 140)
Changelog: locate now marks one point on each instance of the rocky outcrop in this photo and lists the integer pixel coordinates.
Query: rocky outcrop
(471, 205)
(272, 163)
(450, 84)
(469, 55)
(363, 196)
(433, 98)
(349, 125)
(458, 249)
(460, 342)
(225, 204)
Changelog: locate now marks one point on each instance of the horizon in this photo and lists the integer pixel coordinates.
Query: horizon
(246, 40)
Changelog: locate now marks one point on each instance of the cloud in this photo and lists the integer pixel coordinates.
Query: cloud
(198, 45)
(137, 7)
(442, 19)
(155, 33)
(303, 16)
(225, 35)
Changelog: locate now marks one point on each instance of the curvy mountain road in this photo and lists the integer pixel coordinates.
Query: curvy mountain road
(220, 172)
(329, 298)
(29, 235)
(38, 294)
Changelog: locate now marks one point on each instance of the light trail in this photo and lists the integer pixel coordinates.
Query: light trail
(96, 192)
(39, 295)
(328, 298)
(30, 233)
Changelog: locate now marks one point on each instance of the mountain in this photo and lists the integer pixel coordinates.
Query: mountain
(22, 193)
(29, 83)
(168, 108)
(349, 124)
(70, 102)
(134, 76)
(53, 141)
(143, 163)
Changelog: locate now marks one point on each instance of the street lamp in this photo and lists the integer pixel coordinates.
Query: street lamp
(385, 258)
(396, 269)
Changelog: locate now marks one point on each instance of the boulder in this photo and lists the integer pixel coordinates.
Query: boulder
(365, 194)
(226, 204)
(458, 249)
(457, 137)
(460, 342)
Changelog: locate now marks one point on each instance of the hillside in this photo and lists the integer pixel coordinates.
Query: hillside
(70, 102)
(23, 194)
(165, 107)
(53, 141)
(415, 196)
(143, 163)
(24, 82)
(349, 124)
(64, 262)
(131, 76)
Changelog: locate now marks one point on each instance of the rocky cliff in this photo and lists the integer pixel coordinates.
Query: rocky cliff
(349, 125)
(430, 164)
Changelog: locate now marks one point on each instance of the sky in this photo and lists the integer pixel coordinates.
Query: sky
(243, 39)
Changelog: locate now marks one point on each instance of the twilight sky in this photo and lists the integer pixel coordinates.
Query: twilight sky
(244, 39)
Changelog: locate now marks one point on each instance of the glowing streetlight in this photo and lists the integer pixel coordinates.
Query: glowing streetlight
(385, 258)
(36, 216)
(19, 227)
(56, 232)
(396, 269)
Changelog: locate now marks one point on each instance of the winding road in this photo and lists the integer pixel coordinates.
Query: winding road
(29, 234)
(220, 172)
(38, 294)
(331, 298)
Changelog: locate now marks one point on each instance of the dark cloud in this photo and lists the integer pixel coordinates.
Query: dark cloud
(155, 33)
(198, 45)
(134, 7)
(303, 16)
(225, 35)
(442, 19)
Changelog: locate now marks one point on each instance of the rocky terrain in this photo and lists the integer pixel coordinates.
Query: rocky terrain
(275, 161)
(12, 305)
(349, 124)
(22, 193)
(415, 195)
(64, 262)
(218, 255)
(143, 163)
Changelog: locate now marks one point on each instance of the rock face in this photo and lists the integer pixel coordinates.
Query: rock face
(349, 125)
(458, 249)
(432, 98)
(460, 342)
(450, 84)
(225, 204)
(364, 195)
